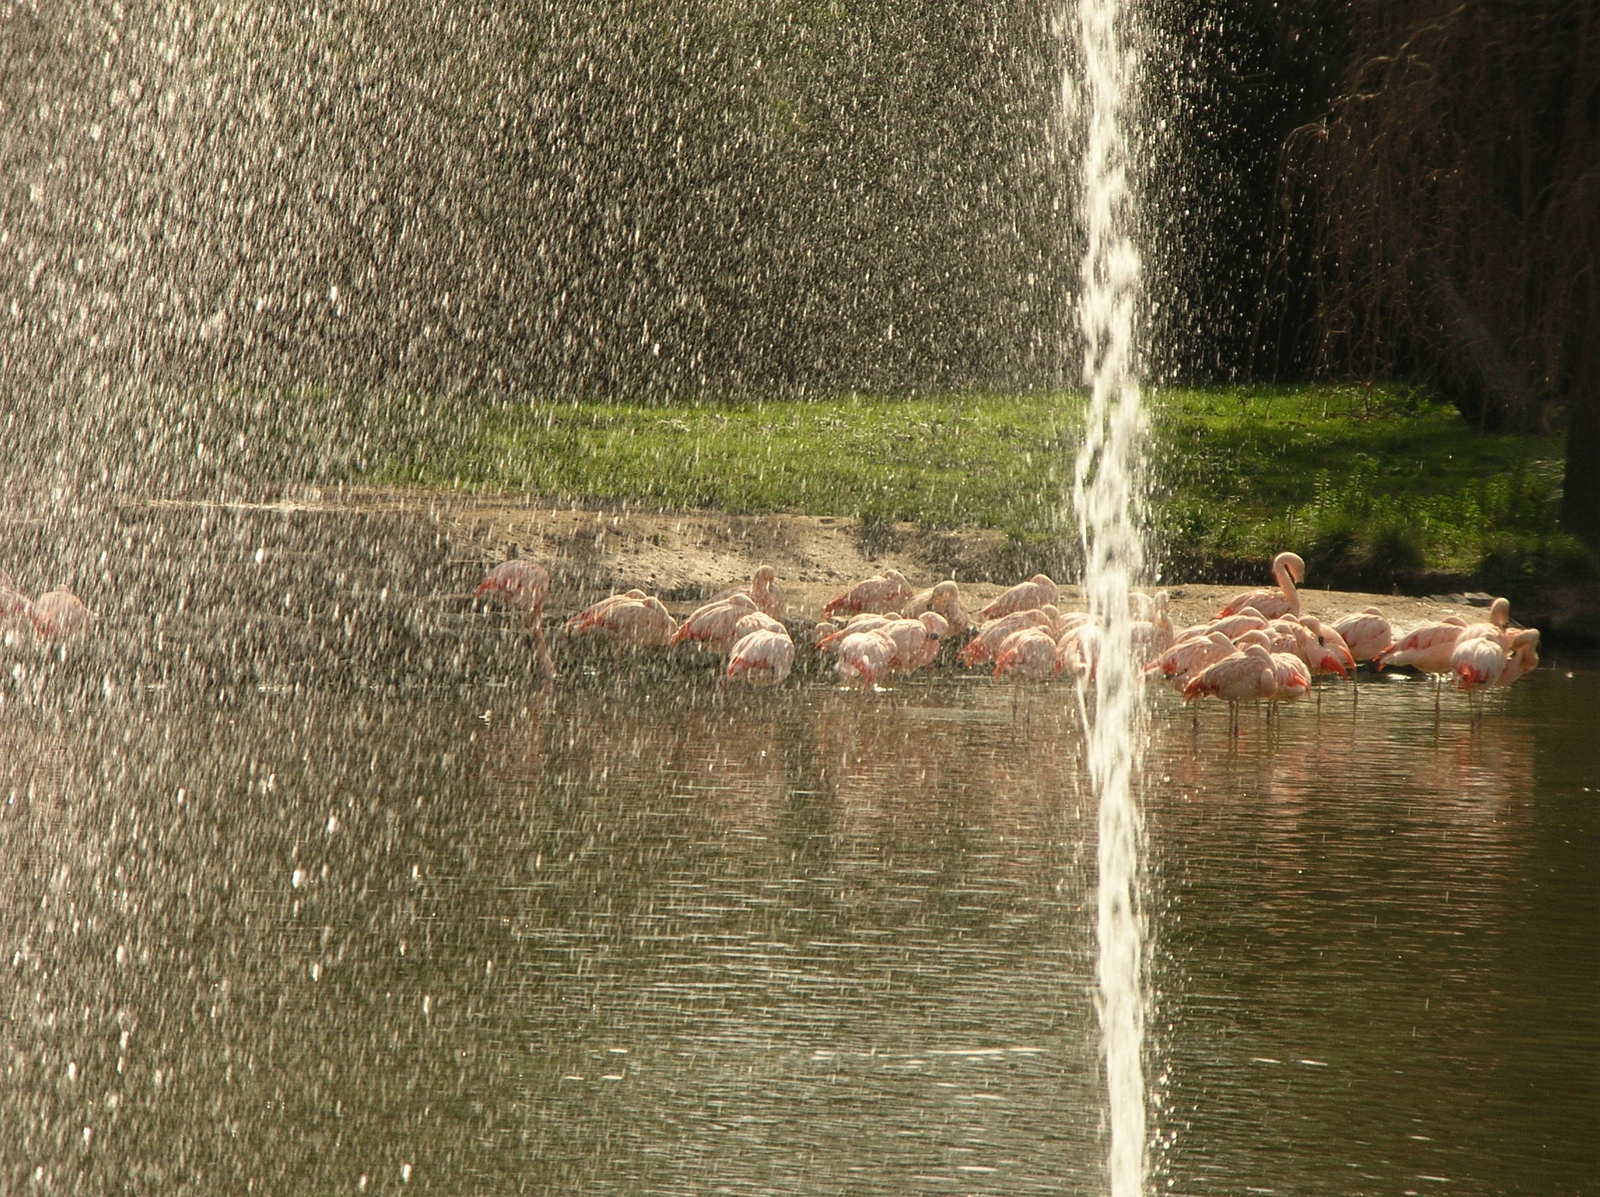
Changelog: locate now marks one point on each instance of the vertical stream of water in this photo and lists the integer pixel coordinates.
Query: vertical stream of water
(1106, 494)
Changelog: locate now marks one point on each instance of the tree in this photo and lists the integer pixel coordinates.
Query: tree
(1454, 191)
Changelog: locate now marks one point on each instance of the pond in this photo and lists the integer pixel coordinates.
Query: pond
(656, 938)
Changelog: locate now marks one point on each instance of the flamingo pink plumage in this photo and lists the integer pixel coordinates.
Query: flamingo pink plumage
(60, 615)
(1366, 633)
(762, 657)
(1247, 676)
(883, 592)
(1287, 569)
(523, 585)
(713, 622)
(1037, 591)
(864, 657)
(631, 618)
(1030, 653)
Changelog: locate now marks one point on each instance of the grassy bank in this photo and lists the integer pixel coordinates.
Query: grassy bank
(1369, 483)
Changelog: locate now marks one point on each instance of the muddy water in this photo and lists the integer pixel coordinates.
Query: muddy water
(650, 939)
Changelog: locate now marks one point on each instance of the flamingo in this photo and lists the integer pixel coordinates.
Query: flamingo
(1029, 653)
(861, 623)
(1331, 640)
(916, 641)
(883, 592)
(1477, 661)
(1426, 648)
(523, 585)
(864, 657)
(596, 612)
(1235, 625)
(764, 588)
(1247, 676)
(60, 615)
(1037, 591)
(1366, 633)
(1290, 669)
(945, 598)
(761, 657)
(1523, 656)
(1287, 569)
(986, 643)
(1496, 628)
(713, 622)
(631, 618)
(1188, 657)
(1078, 649)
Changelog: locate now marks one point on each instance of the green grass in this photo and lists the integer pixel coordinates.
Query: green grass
(1366, 482)
(990, 461)
(1361, 480)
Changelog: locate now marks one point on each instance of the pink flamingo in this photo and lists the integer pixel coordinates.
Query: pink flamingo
(864, 657)
(523, 585)
(1287, 569)
(1291, 670)
(861, 623)
(1366, 633)
(1426, 649)
(1330, 639)
(916, 641)
(883, 592)
(986, 643)
(1247, 676)
(764, 588)
(713, 622)
(631, 618)
(1030, 653)
(1037, 591)
(60, 615)
(762, 657)
(944, 598)
(1078, 649)
(1188, 657)
(1523, 656)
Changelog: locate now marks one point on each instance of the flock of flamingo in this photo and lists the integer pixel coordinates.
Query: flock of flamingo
(1259, 647)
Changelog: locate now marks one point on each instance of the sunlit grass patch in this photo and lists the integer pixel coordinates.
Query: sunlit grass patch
(993, 461)
(1366, 482)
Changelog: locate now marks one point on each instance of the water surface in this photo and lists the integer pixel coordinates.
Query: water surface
(657, 939)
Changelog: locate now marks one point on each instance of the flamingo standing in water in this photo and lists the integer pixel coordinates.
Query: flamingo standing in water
(944, 598)
(523, 585)
(60, 615)
(633, 617)
(1287, 570)
(713, 622)
(864, 657)
(1037, 591)
(1366, 633)
(1247, 676)
(763, 655)
(1426, 648)
(764, 589)
(986, 643)
(1030, 653)
(1188, 657)
(882, 592)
